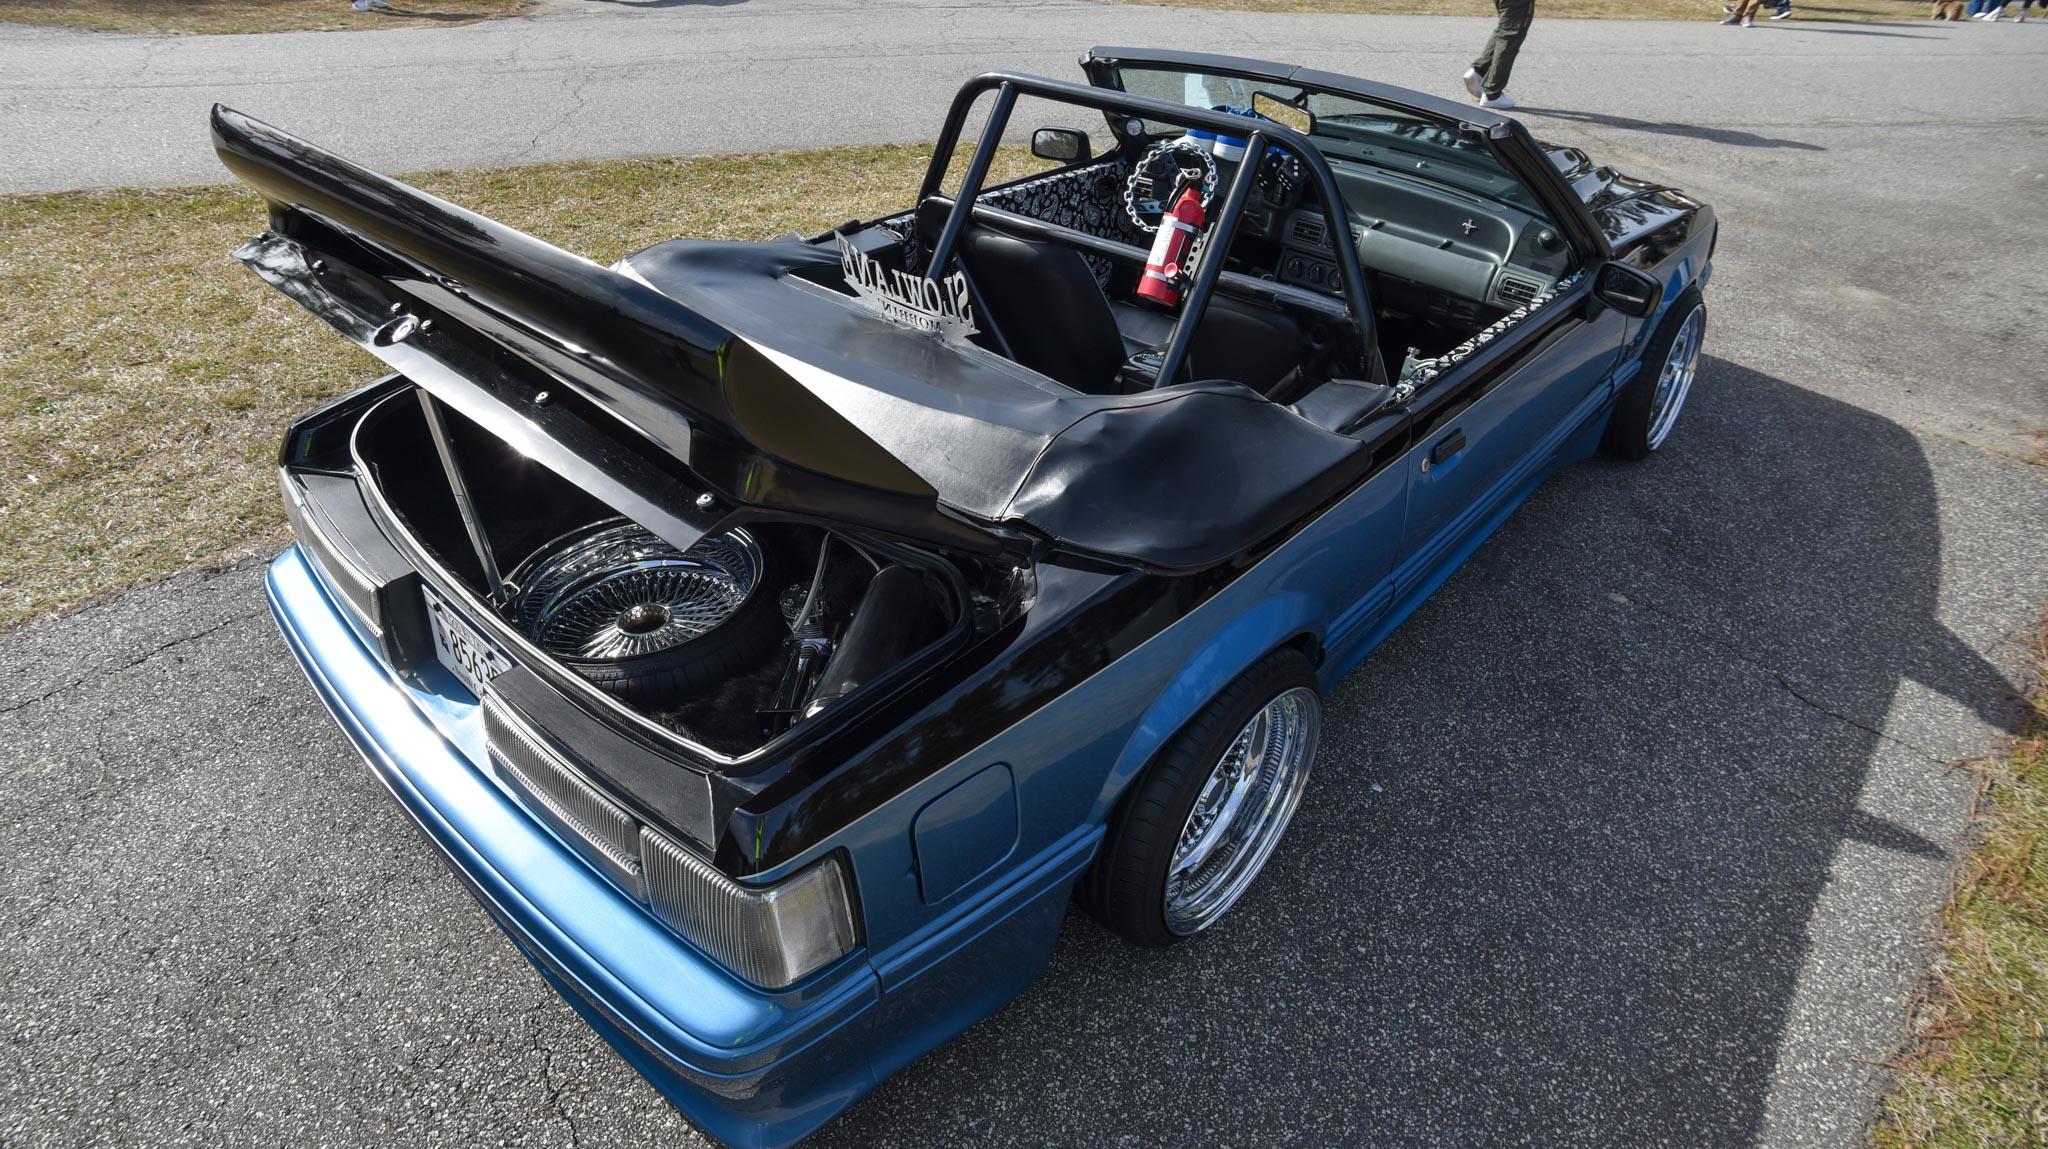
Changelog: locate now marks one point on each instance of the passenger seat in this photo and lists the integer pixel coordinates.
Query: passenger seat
(1048, 307)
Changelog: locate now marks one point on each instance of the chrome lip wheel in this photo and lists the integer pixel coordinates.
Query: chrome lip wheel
(1681, 363)
(1242, 810)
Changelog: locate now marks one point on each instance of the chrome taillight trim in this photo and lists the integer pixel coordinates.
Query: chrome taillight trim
(773, 936)
(556, 792)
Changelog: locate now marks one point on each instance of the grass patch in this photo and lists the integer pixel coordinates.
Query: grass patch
(1977, 1074)
(145, 376)
(1832, 10)
(215, 16)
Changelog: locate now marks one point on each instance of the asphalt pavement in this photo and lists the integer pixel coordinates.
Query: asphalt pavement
(1632, 836)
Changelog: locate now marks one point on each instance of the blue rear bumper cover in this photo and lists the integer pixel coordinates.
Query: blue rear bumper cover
(753, 1068)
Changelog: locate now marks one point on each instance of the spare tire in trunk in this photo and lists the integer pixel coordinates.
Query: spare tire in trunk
(643, 620)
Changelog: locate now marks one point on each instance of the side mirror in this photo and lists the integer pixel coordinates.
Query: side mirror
(1061, 145)
(1628, 290)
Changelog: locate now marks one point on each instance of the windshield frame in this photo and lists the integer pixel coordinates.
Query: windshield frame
(1518, 153)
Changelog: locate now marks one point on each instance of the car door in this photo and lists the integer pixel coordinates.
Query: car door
(1485, 429)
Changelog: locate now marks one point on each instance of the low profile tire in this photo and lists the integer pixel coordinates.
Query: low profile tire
(1648, 407)
(1200, 822)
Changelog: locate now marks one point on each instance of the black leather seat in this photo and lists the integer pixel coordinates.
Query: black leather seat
(1048, 307)
(1044, 300)
(1236, 340)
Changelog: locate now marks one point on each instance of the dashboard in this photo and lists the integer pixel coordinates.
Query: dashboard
(1480, 253)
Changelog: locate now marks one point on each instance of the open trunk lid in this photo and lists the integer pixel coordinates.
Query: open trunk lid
(553, 353)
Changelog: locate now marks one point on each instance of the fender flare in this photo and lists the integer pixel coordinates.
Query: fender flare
(1273, 623)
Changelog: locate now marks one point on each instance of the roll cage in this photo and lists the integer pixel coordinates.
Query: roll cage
(1262, 136)
(1510, 142)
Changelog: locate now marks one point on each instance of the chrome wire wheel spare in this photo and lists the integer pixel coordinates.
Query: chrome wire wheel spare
(1674, 382)
(1242, 810)
(617, 592)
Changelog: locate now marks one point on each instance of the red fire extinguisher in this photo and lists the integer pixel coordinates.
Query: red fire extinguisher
(1177, 228)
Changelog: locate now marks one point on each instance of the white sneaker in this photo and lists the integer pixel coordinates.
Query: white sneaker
(1749, 22)
(1994, 16)
(1782, 14)
(1500, 103)
(1474, 83)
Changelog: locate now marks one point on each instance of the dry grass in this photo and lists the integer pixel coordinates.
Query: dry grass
(1977, 1076)
(1831, 10)
(145, 376)
(159, 16)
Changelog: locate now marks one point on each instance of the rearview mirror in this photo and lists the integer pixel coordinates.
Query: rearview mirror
(1061, 145)
(1628, 290)
(1284, 113)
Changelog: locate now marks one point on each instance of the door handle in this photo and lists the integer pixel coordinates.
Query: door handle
(1447, 446)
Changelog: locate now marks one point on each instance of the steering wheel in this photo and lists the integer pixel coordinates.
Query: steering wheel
(1164, 167)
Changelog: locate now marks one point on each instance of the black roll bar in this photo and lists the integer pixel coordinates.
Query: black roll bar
(1176, 353)
(1270, 291)
(977, 171)
(1266, 134)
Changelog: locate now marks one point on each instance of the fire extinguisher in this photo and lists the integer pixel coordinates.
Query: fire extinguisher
(1163, 268)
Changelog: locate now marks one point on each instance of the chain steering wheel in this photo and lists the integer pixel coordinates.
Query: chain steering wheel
(1163, 168)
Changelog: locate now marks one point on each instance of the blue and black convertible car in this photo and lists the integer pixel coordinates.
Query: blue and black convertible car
(776, 637)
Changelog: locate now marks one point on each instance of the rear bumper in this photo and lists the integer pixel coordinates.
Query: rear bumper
(753, 1068)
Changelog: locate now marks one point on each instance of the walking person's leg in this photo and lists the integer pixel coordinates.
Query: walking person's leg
(1497, 63)
(1475, 76)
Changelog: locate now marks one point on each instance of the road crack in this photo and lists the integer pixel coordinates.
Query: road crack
(576, 102)
(1783, 680)
(131, 664)
(547, 1076)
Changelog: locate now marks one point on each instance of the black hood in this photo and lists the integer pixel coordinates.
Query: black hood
(1627, 208)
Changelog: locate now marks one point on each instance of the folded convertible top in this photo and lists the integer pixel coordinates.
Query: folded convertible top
(737, 374)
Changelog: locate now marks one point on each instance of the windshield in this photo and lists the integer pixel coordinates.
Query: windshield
(1347, 130)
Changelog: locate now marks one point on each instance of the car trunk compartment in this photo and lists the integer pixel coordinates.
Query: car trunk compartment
(760, 609)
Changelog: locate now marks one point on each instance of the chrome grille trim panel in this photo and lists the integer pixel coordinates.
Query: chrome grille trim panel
(598, 828)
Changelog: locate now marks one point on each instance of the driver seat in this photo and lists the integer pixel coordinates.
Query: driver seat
(1051, 312)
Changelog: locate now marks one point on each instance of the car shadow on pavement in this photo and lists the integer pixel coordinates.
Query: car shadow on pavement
(1729, 137)
(1810, 27)
(668, 3)
(397, 13)
(1554, 877)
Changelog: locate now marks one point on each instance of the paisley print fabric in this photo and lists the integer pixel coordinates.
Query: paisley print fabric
(1086, 199)
(1421, 372)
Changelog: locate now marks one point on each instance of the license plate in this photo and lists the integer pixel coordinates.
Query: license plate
(466, 654)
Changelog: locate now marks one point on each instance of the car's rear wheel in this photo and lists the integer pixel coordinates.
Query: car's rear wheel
(1200, 822)
(1648, 407)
